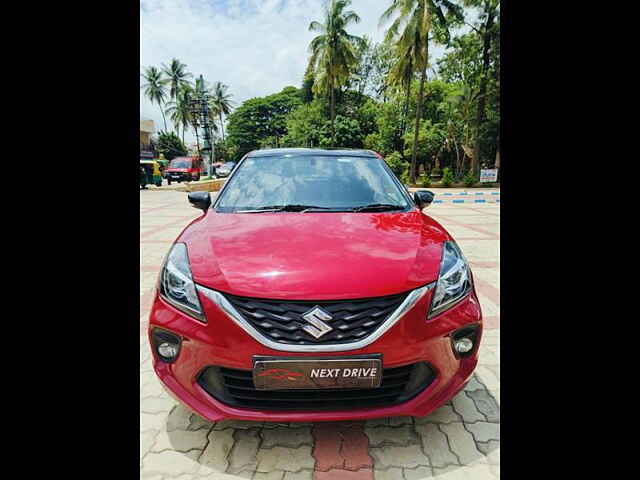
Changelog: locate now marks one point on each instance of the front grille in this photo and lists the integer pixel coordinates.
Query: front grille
(235, 388)
(281, 320)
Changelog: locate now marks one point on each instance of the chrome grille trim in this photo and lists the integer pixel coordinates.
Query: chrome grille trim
(219, 299)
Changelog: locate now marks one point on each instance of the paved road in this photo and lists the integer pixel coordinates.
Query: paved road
(461, 440)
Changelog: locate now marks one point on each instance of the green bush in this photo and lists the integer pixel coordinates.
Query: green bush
(469, 179)
(404, 177)
(447, 177)
(396, 164)
(425, 181)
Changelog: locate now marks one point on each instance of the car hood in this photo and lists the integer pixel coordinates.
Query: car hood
(177, 170)
(315, 256)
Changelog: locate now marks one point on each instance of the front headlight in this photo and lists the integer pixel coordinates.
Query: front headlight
(176, 283)
(454, 282)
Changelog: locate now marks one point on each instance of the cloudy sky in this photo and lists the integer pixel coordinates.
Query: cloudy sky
(257, 47)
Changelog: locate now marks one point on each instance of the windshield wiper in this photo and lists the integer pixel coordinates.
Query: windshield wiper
(378, 207)
(285, 208)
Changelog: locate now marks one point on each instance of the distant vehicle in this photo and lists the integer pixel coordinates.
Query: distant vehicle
(185, 169)
(225, 170)
(150, 173)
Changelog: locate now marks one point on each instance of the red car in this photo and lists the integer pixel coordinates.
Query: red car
(314, 288)
(185, 169)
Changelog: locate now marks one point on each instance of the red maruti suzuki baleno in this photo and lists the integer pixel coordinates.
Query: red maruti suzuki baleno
(314, 288)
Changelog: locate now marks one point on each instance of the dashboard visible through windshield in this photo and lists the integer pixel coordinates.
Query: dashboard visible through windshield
(311, 183)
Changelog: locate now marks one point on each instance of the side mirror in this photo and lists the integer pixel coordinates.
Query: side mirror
(201, 200)
(423, 198)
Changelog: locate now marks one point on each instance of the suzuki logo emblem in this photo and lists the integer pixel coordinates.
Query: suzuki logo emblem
(316, 317)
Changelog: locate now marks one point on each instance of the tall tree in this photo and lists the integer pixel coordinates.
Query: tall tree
(410, 30)
(488, 18)
(179, 109)
(221, 102)
(400, 77)
(178, 77)
(155, 88)
(333, 52)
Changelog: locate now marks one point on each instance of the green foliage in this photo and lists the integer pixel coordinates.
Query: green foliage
(469, 179)
(304, 126)
(178, 77)
(396, 163)
(425, 181)
(463, 63)
(334, 52)
(374, 142)
(347, 133)
(404, 177)
(260, 118)
(170, 145)
(155, 88)
(371, 91)
(447, 177)
(430, 140)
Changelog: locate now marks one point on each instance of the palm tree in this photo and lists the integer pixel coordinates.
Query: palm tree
(333, 52)
(410, 31)
(179, 109)
(178, 76)
(155, 88)
(400, 77)
(221, 102)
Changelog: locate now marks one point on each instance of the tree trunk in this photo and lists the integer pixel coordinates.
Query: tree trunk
(455, 144)
(437, 159)
(412, 171)
(405, 115)
(221, 126)
(475, 160)
(163, 119)
(333, 115)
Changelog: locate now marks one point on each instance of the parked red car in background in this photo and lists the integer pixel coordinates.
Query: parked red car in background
(185, 169)
(314, 288)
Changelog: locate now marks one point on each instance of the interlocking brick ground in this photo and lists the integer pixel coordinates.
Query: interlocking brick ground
(460, 440)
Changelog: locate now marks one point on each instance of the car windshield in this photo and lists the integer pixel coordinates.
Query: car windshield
(180, 163)
(311, 183)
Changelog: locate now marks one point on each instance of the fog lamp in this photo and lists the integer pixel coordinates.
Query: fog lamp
(463, 345)
(168, 350)
(166, 344)
(464, 341)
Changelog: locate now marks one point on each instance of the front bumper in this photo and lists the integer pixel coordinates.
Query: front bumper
(221, 342)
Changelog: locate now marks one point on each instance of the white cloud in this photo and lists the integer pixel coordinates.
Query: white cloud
(257, 47)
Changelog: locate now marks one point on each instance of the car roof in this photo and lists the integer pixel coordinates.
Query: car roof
(271, 152)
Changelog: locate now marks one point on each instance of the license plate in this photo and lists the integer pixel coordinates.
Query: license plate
(295, 374)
